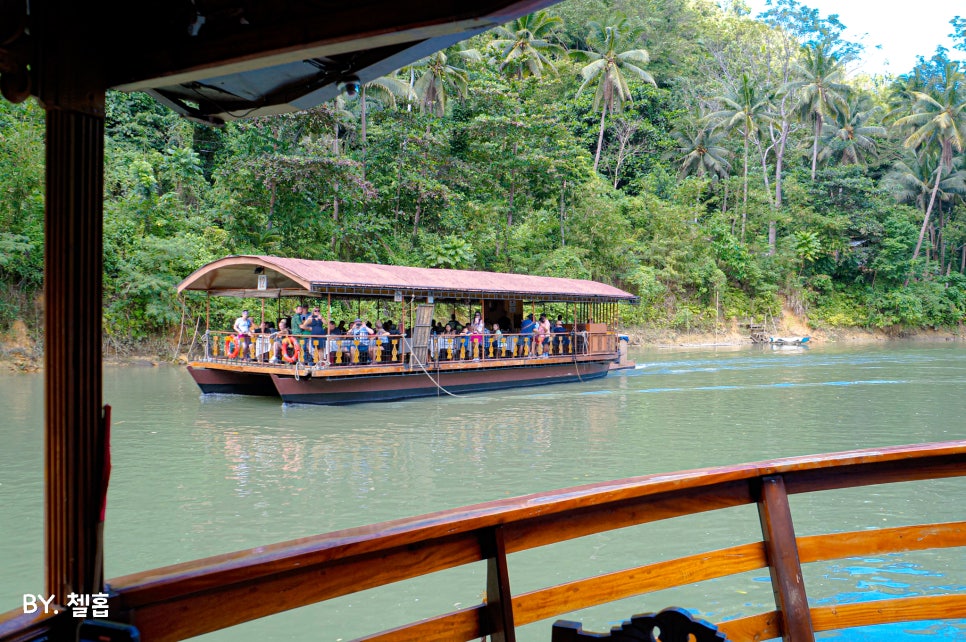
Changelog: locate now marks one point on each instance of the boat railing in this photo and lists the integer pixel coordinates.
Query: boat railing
(322, 351)
(197, 597)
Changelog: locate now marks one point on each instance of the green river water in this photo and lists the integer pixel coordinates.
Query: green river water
(197, 476)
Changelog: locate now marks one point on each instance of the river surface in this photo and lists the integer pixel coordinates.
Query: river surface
(197, 476)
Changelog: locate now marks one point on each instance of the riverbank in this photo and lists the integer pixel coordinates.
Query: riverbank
(788, 325)
(671, 339)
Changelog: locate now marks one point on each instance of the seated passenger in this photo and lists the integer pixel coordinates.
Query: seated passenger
(262, 341)
(360, 332)
(561, 340)
(476, 329)
(497, 340)
(382, 336)
(457, 326)
(447, 344)
(466, 342)
(277, 338)
(525, 339)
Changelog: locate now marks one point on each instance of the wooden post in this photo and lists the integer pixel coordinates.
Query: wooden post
(72, 91)
(499, 601)
(781, 550)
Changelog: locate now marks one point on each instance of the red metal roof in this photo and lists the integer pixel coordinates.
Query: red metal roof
(238, 276)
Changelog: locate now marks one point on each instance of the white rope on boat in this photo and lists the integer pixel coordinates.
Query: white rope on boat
(412, 355)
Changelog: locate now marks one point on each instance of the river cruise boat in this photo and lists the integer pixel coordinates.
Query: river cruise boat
(412, 358)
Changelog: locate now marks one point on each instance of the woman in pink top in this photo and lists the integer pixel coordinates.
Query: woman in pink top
(541, 337)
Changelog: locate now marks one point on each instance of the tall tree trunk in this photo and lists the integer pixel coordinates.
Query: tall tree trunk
(335, 198)
(600, 136)
(744, 205)
(925, 220)
(817, 136)
(513, 185)
(273, 191)
(941, 238)
(563, 188)
(779, 162)
(764, 175)
(335, 218)
(362, 127)
(402, 152)
(362, 116)
(620, 160)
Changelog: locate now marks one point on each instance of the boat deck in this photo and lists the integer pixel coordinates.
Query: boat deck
(389, 368)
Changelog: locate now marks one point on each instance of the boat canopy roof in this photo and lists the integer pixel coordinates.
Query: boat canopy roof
(274, 277)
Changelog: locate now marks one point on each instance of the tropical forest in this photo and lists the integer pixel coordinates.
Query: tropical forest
(724, 166)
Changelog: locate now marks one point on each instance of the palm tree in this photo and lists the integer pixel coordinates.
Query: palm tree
(911, 180)
(851, 140)
(940, 121)
(747, 107)
(610, 57)
(384, 90)
(901, 95)
(702, 152)
(436, 76)
(525, 46)
(821, 91)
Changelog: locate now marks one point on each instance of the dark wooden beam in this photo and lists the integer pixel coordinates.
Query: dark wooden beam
(784, 565)
(72, 91)
(499, 600)
(159, 53)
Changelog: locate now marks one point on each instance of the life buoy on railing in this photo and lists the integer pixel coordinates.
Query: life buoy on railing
(235, 343)
(294, 356)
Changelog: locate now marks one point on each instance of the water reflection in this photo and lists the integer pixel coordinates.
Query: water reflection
(198, 476)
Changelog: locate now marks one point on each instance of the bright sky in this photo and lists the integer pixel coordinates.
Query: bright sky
(894, 32)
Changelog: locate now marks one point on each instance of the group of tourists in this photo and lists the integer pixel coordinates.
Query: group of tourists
(308, 338)
(478, 340)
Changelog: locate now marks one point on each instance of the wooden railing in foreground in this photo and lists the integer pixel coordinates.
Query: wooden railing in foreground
(193, 598)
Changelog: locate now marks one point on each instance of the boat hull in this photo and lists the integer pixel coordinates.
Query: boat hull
(228, 382)
(410, 385)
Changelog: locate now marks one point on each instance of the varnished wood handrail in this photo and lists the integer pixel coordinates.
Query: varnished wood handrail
(182, 600)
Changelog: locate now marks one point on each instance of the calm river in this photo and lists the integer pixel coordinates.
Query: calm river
(195, 477)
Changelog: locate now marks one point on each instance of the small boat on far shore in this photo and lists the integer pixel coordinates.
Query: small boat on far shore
(788, 341)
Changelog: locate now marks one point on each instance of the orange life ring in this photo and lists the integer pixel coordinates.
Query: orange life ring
(290, 358)
(236, 346)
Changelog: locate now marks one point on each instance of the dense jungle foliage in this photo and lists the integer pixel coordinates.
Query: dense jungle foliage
(718, 164)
